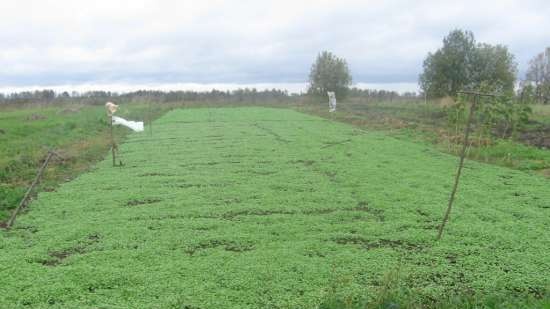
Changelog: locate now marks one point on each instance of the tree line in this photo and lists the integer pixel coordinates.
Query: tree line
(248, 95)
(99, 96)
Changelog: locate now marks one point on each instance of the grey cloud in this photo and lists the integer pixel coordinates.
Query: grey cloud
(65, 42)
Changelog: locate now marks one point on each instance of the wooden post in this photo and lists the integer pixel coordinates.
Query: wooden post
(460, 165)
(113, 145)
(29, 190)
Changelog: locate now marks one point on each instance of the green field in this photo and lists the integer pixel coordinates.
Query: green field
(270, 208)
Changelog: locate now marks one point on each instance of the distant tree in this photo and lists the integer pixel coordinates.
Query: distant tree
(538, 76)
(329, 73)
(45, 95)
(463, 64)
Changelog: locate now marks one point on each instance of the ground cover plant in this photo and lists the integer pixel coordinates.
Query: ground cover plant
(270, 208)
(76, 127)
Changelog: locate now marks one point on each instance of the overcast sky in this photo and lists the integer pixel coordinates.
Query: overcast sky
(137, 42)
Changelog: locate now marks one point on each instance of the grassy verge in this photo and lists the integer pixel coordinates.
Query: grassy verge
(427, 123)
(541, 113)
(78, 132)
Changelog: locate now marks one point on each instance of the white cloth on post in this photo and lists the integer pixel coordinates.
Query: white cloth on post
(134, 125)
(331, 101)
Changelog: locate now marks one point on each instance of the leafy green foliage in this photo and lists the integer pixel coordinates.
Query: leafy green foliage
(270, 208)
(329, 73)
(448, 69)
(462, 64)
(494, 67)
(500, 116)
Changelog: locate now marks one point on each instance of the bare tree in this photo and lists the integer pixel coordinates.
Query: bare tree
(538, 76)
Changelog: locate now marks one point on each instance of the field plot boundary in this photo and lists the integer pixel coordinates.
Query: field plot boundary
(262, 207)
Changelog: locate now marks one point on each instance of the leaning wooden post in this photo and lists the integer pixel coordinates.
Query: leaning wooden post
(460, 165)
(29, 190)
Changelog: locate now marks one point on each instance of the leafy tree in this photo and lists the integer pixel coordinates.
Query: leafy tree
(463, 64)
(329, 73)
(449, 69)
(495, 68)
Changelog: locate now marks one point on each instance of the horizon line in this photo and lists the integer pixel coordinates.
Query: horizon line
(400, 87)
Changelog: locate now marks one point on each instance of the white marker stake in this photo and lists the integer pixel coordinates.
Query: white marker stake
(331, 101)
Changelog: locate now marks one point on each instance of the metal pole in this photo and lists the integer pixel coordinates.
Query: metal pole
(460, 165)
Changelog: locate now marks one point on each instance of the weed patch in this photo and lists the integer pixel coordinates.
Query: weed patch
(145, 201)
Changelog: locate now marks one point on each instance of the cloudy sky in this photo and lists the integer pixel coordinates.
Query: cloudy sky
(160, 43)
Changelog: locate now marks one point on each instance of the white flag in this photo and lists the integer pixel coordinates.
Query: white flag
(134, 125)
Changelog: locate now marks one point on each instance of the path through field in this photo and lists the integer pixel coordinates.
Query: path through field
(270, 208)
